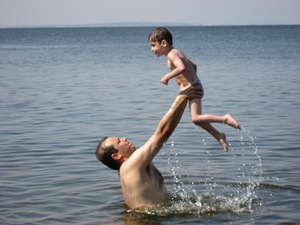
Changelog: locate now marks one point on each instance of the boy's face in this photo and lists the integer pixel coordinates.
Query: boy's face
(157, 48)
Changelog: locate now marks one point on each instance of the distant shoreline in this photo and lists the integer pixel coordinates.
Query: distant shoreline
(149, 24)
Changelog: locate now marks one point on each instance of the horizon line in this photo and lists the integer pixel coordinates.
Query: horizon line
(135, 24)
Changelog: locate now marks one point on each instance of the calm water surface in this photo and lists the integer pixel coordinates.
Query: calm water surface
(61, 90)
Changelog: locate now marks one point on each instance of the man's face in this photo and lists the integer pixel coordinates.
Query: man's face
(125, 148)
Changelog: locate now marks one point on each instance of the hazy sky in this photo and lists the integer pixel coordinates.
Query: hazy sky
(198, 12)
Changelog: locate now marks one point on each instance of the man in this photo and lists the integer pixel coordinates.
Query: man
(142, 184)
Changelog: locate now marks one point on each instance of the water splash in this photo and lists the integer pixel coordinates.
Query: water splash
(182, 184)
(248, 164)
(236, 193)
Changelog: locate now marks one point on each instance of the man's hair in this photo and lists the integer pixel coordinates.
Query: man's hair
(161, 33)
(104, 155)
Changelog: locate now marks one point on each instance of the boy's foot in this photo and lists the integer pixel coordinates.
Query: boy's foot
(223, 142)
(231, 122)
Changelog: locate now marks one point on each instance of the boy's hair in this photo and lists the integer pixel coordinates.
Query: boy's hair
(161, 33)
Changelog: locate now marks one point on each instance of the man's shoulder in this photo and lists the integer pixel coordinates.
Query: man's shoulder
(132, 164)
(143, 156)
(131, 174)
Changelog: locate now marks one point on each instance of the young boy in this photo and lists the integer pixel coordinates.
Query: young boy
(184, 71)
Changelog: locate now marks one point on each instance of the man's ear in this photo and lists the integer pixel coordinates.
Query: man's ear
(116, 156)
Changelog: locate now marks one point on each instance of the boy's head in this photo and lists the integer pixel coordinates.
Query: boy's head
(160, 34)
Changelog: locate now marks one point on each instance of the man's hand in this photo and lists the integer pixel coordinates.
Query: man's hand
(192, 92)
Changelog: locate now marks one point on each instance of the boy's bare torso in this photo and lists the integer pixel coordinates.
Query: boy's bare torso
(142, 187)
(189, 73)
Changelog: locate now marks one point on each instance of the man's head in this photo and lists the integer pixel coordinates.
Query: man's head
(160, 34)
(113, 151)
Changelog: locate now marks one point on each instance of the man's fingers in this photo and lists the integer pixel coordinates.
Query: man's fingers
(194, 83)
(197, 92)
(192, 92)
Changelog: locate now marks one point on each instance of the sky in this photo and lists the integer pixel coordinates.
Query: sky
(20, 13)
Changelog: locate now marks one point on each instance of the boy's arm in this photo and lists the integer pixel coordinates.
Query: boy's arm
(144, 155)
(179, 68)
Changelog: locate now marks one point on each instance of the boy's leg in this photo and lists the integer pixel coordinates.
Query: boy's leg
(198, 117)
(220, 137)
(196, 110)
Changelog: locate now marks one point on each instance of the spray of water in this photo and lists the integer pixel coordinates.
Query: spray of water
(209, 194)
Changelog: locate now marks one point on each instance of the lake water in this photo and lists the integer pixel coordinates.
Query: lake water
(63, 89)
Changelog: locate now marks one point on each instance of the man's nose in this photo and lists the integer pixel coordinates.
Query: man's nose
(124, 139)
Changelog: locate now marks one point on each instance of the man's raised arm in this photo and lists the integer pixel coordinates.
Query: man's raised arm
(171, 119)
(167, 124)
